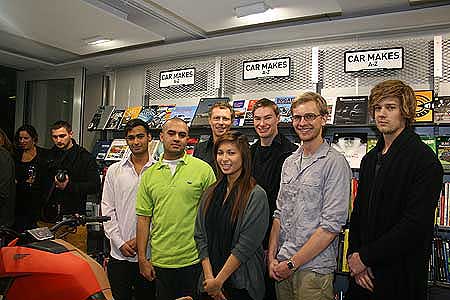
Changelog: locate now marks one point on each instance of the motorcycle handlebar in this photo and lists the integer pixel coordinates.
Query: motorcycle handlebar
(78, 220)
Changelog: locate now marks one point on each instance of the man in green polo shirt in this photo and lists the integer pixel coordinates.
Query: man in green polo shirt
(168, 197)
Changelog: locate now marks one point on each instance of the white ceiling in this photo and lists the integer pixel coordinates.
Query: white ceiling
(47, 34)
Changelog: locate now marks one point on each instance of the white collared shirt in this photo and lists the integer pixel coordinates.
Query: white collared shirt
(119, 203)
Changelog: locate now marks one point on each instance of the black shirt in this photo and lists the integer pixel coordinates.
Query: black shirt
(204, 151)
(267, 162)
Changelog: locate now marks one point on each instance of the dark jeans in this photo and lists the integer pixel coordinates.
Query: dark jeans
(230, 294)
(126, 281)
(176, 283)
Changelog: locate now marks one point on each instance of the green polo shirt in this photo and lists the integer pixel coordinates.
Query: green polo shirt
(172, 203)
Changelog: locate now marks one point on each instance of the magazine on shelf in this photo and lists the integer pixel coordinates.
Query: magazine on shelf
(351, 110)
(202, 114)
(129, 114)
(93, 124)
(430, 141)
(239, 107)
(248, 120)
(114, 120)
(118, 150)
(424, 109)
(331, 105)
(186, 113)
(371, 143)
(162, 115)
(442, 109)
(106, 114)
(352, 145)
(443, 151)
(284, 104)
(101, 149)
(148, 113)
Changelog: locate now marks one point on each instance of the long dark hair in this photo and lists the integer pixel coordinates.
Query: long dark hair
(244, 184)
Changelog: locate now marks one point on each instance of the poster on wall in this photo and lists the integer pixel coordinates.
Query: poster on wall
(424, 109)
(275, 67)
(389, 58)
(177, 77)
(351, 110)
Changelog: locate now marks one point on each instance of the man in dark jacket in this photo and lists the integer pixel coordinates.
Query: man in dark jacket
(391, 226)
(268, 155)
(221, 116)
(78, 174)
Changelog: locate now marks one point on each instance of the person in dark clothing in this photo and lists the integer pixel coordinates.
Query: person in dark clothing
(391, 226)
(221, 116)
(268, 155)
(7, 184)
(68, 195)
(30, 161)
(231, 222)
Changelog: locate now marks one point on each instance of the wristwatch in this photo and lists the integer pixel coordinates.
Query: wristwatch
(291, 264)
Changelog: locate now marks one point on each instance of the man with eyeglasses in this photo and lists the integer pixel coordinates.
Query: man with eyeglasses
(268, 156)
(221, 116)
(312, 207)
(119, 203)
(71, 175)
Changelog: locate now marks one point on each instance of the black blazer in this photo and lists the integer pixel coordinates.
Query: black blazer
(391, 225)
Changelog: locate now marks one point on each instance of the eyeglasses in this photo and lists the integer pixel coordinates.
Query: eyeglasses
(309, 117)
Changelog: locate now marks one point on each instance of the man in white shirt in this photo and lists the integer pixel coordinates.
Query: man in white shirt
(119, 203)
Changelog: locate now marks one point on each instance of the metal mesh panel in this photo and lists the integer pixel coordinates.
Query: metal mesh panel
(204, 80)
(417, 69)
(445, 61)
(300, 72)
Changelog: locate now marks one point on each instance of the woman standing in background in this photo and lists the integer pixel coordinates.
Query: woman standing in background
(231, 223)
(29, 166)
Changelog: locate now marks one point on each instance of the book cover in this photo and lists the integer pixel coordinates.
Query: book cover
(284, 104)
(202, 114)
(106, 115)
(424, 109)
(248, 120)
(114, 120)
(430, 141)
(443, 151)
(351, 110)
(186, 113)
(148, 113)
(152, 147)
(118, 150)
(352, 145)
(93, 124)
(101, 149)
(239, 108)
(371, 143)
(442, 109)
(129, 114)
(162, 115)
(331, 105)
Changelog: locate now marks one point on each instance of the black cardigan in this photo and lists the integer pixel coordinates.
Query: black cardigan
(392, 222)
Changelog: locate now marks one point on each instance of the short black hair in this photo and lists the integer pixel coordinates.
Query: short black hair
(135, 123)
(60, 124)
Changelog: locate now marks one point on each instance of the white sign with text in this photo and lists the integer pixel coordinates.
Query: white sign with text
(373, 59)
(177, 77)
(277, 67)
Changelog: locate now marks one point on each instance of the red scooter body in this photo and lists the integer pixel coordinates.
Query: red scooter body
(50, 270)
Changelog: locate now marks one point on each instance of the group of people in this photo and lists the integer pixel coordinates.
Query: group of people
(41, 185)
(236, 221)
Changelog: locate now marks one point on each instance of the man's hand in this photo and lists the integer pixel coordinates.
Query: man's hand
(355, 264)
(128, 249)
(273, 263)
(212, 286)
(146, 269)
(365, 279)
(61, 185)
(282, 270)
